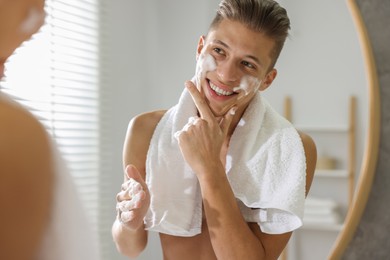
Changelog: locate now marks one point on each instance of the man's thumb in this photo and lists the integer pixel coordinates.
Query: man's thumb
(132, 172)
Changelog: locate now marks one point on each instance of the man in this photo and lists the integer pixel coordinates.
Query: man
(244, 42)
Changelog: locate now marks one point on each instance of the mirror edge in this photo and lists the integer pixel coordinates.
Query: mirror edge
(370, 156)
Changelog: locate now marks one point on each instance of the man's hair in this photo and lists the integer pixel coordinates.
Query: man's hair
(265, 16)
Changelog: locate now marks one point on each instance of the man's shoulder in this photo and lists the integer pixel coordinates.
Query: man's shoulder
(25, 150)
(146, 121)
(18, 124)
(308, 142)
(311, 158)
(139, 134)
(142, 126)
(309, 148)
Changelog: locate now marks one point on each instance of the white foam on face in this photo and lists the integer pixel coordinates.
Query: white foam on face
(248, 85)
(33, 21)
(205, 63)
(209, 63)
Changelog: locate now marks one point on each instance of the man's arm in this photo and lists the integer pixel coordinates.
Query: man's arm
(311, 158)
(227, 226)
(130, 237)
(231, 236)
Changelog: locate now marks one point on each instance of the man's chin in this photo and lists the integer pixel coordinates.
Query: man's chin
(220, 113)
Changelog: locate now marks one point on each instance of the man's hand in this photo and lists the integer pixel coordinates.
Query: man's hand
(133, 200)
(202, 139)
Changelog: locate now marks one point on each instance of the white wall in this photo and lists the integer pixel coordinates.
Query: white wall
(321, 66)
(152, 46)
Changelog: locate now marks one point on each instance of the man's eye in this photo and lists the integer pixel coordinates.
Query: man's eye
(248, 64)
(218, 50)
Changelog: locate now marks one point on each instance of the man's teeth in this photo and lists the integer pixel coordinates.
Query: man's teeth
(219, 91)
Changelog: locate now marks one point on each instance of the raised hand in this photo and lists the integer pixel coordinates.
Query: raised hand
(133, 200)
(202, 139)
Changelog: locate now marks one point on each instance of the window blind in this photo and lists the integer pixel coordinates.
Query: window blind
(56, 75)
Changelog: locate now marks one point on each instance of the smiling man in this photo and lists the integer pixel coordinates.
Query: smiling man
(220, 175)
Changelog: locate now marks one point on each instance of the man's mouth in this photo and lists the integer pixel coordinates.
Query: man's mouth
(219, 91)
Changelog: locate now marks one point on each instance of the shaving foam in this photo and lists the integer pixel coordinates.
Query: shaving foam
(127, 216)
(133, 187)
(205, 63)
(128, 205)
(248, 85)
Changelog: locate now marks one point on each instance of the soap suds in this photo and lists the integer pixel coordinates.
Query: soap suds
(127, 216)
(205, 63)
(190, 122)
(248, 85)
(134, 191)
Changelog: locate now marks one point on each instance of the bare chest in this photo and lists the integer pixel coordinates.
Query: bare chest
(190, 248)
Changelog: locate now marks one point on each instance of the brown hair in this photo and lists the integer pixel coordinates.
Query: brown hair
(265, 16)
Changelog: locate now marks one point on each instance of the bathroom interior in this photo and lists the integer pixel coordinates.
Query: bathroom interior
(328, 86)
(321, 72)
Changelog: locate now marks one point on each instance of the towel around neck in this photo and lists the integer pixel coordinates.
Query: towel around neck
(265, 166)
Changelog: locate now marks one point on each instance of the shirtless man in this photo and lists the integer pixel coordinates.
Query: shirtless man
(240, 48)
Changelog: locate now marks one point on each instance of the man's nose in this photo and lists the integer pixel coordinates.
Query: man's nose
(228, 71)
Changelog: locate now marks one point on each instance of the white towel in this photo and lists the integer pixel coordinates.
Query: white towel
(265, 165)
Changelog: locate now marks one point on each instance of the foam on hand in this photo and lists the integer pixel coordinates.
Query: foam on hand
(133, 189)
(127, 216)
(191, 121)
(128, 205)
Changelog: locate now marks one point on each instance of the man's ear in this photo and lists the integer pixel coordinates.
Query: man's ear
(269, 78)
(200, 45)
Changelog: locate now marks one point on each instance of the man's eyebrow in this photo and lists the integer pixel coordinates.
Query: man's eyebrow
(255, 59)
(222, 43)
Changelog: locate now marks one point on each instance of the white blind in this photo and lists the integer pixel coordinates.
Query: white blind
(56, 75)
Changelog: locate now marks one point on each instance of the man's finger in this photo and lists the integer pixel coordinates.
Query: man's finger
(123, 195)
(127, 216)
(133, 203)
(133, 173)
(200, 102)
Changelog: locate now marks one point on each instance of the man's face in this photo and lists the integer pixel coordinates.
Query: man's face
(19, 19)
(241, 60)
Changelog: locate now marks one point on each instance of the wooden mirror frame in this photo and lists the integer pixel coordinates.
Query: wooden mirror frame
(370, 155)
